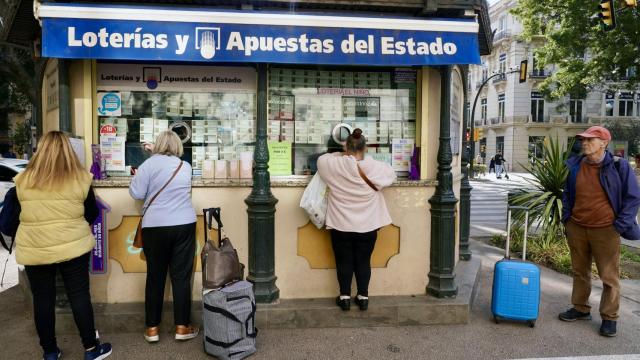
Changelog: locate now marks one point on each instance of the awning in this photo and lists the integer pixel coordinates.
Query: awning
(174, 34)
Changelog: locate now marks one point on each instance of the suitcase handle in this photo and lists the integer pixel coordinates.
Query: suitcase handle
(526, 230)
(210, 214)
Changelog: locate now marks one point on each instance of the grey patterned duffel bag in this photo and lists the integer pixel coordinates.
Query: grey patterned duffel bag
(229, 321)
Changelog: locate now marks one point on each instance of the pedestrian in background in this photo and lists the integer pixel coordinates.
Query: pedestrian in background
(599, 204)
(57, 205)
(168, 233)
(356, 210)
(499, 161)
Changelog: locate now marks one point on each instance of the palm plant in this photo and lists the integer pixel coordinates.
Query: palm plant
(545, 199)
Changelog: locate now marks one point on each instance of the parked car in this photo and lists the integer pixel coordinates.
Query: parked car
(8, 169)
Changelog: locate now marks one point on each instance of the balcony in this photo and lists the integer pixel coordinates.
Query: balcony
(480, 122)
(600, 120)
(539, 74)
(499, 79)
(495, 120)
(501, 35)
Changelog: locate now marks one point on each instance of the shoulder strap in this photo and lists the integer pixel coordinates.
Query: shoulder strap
(365, 178)
(165, 185)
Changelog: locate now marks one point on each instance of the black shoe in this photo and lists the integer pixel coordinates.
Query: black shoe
(608, 328)
(363, 304)
(344, 304)
(52, 356)
(573, 315)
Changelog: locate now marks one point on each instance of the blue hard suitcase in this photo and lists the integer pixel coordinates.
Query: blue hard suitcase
(516, 283)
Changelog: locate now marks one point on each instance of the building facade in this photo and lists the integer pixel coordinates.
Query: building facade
(515, 118)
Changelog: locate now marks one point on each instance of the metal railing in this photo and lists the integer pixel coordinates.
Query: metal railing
(501, 35)
(539, 74)
(500, 79)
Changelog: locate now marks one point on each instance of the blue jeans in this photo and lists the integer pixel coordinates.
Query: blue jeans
(42, 278)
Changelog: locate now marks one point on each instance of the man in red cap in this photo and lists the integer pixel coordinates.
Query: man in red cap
(600, 204)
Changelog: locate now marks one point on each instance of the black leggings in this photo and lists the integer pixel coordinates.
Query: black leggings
(353, 254)
(170, 248)
(75, 274)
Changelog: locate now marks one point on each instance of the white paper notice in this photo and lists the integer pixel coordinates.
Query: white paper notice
(112, 148)
(78, 148)
(401, 151)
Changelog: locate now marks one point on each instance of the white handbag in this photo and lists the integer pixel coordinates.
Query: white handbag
(314, 201)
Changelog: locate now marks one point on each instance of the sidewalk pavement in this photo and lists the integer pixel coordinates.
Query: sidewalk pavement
(480, 339)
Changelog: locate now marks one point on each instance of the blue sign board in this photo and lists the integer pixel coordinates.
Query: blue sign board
(219, 42)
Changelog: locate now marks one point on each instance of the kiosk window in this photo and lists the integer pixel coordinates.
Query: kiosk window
(212, 126)
(305, 105)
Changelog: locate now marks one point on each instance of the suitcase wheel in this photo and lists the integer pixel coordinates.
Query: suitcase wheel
(496, 319)
(532, 323)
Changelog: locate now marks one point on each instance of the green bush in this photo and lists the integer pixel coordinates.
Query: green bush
(544, 201)
(479, 168)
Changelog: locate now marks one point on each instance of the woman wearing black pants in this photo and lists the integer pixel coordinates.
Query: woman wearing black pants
(56, 205)
(355, 211)
(163, 181)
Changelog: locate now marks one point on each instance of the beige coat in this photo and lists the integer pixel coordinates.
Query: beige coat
(52, 224)
(353, 206)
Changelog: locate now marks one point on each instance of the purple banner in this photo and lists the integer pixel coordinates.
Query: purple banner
(99, 256)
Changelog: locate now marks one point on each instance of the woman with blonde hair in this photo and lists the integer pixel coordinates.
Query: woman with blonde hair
(168, 233)
(57, 204)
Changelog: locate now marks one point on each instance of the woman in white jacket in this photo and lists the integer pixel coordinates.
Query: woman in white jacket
(356, 210)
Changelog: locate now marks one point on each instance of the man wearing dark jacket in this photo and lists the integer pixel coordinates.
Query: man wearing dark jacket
(599, 204)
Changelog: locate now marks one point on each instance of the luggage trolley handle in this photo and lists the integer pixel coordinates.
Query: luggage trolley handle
(526, 230)
(209, 215)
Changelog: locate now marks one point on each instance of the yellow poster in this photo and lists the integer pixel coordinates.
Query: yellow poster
(279, 158)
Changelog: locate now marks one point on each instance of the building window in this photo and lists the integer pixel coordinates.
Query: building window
(625, 104)
(500, 144)
(537, 107)
(503, 63)
(485, 72)
(501, 107)
(629, 73)
(608, 104)
(483, 111)
(215, 123)
(502, 24)
(536, 70)
(536, 147)
(575, 110)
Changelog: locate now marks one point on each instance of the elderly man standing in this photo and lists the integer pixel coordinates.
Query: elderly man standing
(600, 204)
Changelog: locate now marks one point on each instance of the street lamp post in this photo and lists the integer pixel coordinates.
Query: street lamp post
(473, 114)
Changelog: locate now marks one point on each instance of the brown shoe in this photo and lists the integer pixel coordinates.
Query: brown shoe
(186, 332)
(152, 334)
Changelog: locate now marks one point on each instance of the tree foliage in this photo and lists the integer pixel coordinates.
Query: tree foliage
(570, 30)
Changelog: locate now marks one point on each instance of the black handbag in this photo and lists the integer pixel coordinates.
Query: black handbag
(10, 218)
(220, 263)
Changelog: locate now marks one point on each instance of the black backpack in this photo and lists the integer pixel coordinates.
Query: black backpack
(10, 218)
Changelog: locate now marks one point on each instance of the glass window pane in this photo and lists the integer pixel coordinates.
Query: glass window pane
(382, 103)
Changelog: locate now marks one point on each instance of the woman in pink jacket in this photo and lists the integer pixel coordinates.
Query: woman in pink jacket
(356, 211)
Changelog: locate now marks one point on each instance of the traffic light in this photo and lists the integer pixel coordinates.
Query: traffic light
(607, 14)
(523, 71)
(630, 3)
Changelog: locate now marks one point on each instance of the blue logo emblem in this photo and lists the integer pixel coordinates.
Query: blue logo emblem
(110, 103)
